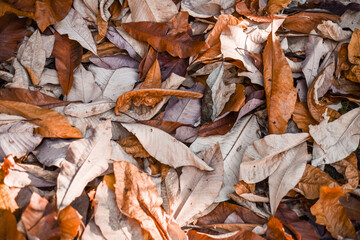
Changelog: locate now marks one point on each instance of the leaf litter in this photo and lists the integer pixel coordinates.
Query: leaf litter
(179, 119)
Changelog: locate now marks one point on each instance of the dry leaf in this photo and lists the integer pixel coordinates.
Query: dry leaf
(354, 47)
(332, 214)
(115, 37)
(276, 231)
(8, 229)
(92, 231)
(170, 152)
(152, 11)
(333, 31)
(302, 117)
(137, 197)
(115, 62)
(51, 123)
(69, 223)
(83, 110)
(198, 189)
(278, 84)
(238, 235)
(7, 202)
(348, 168)
(274, 6)
(86, 159)
(52, 152)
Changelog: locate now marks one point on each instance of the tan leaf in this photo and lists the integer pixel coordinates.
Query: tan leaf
(48, 12)
(312, 180)
(152, 11)
(132, 145)
(153, 77)
(354, 47)
(237, 235)
(332, 214)
(348, 168)
(92, 231)
(84, 110)
(6, 201)
(243, 187)
(333, 31)
(86, 159)
(69, 221)
(149, 97)
(137, 197)
(236, 101)
(170, 152)
(198, 189)
(278, 83)
(8, 227)
(336, 140)
(302, 117)
(120, 82)
(51, 123)
(274, 6)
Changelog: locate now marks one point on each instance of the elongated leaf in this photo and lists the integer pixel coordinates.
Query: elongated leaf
(115, 62)
(76, 28)
(86, 159)
(232, 146)
(67, 55)
(152, 11)
(279, 89)
(121, 81)
(52, 152)
(114, 36)
(170, 152)
(51, 123)
(198, 189)
(354, 47)
(238, 235)
(83, 110)
(8, 227)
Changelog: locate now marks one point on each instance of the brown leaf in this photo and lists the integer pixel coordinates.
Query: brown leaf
(67, 55)
(6, 201)
(137, 197)
(220, 126)
(172, 37)
(276, 231)
(69, 221)
(302, 117)
(332, 214)
(11, 6)
(278, 83)
(47, 12)
(8, 226)
(312, 180)
(147, 62)
(103, 49)
(149, 97)
(354, 47)
(153, 77)
(239, 235)
(348, 168)
(304, 22)
(32, 97)
(236, 101)
(274, 6)
(12, 32)
(243, 187)
(352, 207)
(51, 123)
(132, 146)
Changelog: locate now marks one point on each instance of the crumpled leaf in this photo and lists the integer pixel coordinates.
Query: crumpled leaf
(51, 123)
(7, 202)
(18, 139)
(333, 31)
(86, 159)
(283, 165)
(152, 11)
(137, 197)
(232, 146)
(336, 140)
(198, 189)
(153, 77)
(278, 83)
(76, 28)
(171, 37)
(170, 152)
(67, 55)
(332, 214)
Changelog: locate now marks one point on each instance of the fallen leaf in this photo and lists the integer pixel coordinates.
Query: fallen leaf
(52, 152)
(354, 47)
(302, 117)
(171, 152)
(83, 110)
(232, 146)
(333, 31)
(8, 229)
(278, 83)
(137, 197)
(7, 202)
(332, 214)
(115, 62)
(51, 123)
(86, 159)
(274, 6)
(152, 11)
(92, 231)
(205, 8)
(67, 55)
(220, 126)
(276, 230)
(236, 101)
(349, 19)
(12, 32)
(114, 36)
(11, 6)
(76, 29)
(238, 235)
(198, 189)
(348, 168)
(170, 64)
(69, 223)
(153, 77)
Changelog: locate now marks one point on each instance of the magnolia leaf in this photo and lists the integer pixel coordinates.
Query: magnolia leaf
(302, 117)
(121, 81)
(337, 139)
(137, 197)
(332, 214)
(51, 123)
(170, 152)
(205, 8)
(152, 11)
(33, 57)
(232, 146)
(278, 83)
(84, 87)
(101, 75)
(86, 159)
(21, 78)
(83, 110)
(76, 28)
(20, 133)
(6, 119)
(112, 223)
(198, 189)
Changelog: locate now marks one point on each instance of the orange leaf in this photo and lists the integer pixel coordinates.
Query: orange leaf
(51, 123)
(153, 77)
(332, 214)
(239, 235)
(236, 101)
(302, 117)
(243, 187)
(276, 231)
(172, 37)
(354, 47)
(7, 202)
(149, 97)
(67, 55)
(132, 146)
(278, 82)
(348, 168)
(274, 6)
(8, 226)
(14, 8)
(69, 221)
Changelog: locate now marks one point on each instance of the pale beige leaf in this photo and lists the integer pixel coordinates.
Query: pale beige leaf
(84, 87)
(232, 146)
(139, 47)
(21, 78)
(167, 149)
(337, 139)
(17, 139)
(49, 76)
(83, 110)
(86, 159)
(198, 189)
(350, 19)
(34, 56)
(121, 81)
(76, 28)
(92, 231)
(52, 152)
(101, 75)
(112, 223)
(48, 44)
(152, 10)
(331, 30)
(104, 9)
(206, 8)
(119, 154)
(6, 119)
